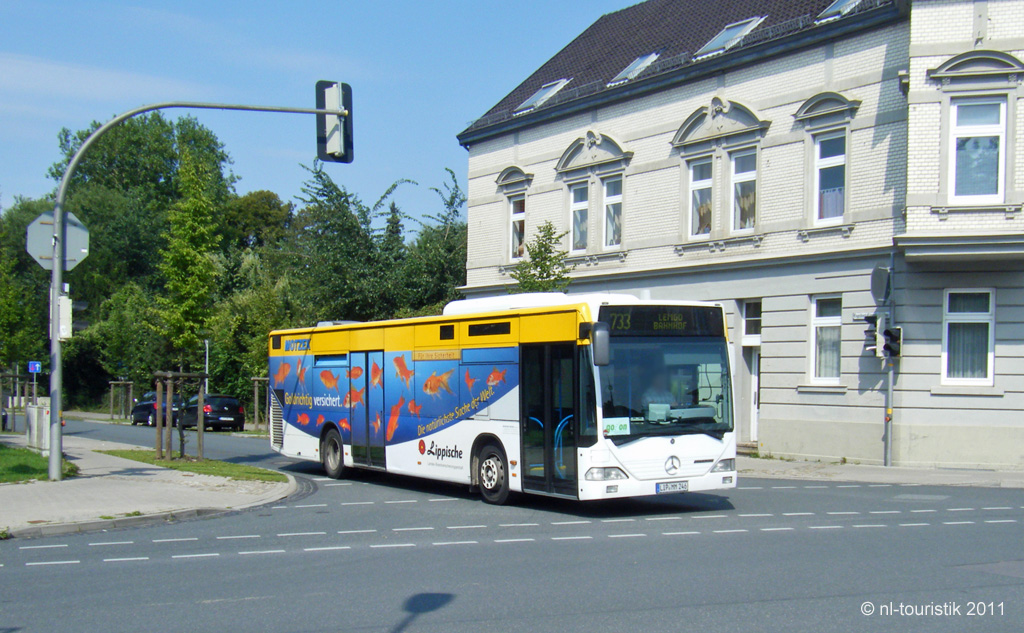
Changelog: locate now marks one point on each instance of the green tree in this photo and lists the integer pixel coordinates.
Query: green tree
(24, 288)
(544, 268)
(187, 261)
(255, 219)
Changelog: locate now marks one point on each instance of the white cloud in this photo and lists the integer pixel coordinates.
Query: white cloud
(29, 76)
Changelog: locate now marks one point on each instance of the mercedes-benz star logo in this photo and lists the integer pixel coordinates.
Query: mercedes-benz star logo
(672, 465)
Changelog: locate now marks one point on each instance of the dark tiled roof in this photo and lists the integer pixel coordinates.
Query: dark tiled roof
(674, 28)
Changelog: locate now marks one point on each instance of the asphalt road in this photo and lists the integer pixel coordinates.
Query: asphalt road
(385, 553)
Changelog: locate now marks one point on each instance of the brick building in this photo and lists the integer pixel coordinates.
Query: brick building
(773, 154)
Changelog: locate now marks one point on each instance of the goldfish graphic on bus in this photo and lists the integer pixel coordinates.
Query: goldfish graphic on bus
(495, 377)
(319, 420)
(282, 373)
(376, 424)
(302, 374)
(330, 380)
(303, 419)
(343, 423)
(402, 371)
(433, 385)
(376, 373)
(470, 382)
(354, 373)
(353, 397)
(393, 418)
(415, 408)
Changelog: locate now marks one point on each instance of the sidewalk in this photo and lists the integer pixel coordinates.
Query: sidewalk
(109, 486)
(784, 469)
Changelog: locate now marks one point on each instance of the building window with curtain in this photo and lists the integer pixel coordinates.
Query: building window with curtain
(977, 150)
(744, 186)
(968, 337)
(612, 212)
(700, 197)
(826, 338)
(517, 213)
(580, 196)
(830, 176)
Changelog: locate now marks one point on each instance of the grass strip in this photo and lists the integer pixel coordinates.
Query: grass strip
(23, 464)
(201, 467)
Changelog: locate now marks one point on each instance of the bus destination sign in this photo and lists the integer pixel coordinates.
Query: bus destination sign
(663, 320)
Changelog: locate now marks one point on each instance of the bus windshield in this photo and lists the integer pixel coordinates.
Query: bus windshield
(662, 385)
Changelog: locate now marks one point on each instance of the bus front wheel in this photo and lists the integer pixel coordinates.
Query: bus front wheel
(331, 454)
(492, 474)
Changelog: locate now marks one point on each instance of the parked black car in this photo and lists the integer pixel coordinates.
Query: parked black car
(144, 411)
(220, 412)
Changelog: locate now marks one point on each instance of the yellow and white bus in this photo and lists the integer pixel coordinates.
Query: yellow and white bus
(580, 396)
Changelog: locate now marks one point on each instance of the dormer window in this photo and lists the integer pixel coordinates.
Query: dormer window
(728, 37)
(538, 99)
(634, 69)
(837, 9)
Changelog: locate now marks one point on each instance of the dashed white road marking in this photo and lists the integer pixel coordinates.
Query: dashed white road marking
(285, 534)
(783, 487)
(42, 546)
(390, 545)
(848, 486)
(879, 485)
(237, 536)
(728, 531)
(325, 549)
(797, 514)
(125, 560)
(456, 543)
(210, 555)
(356, 531)
(312, 505)
(777, 529)
(1000, 521)
(869, 525)
(959, 509)
(53, 562)
(401, 501)
(518, 524)
(711, 516)
(466, 527)
(884, 512)
(662, 518)
(111, 543)
(958, 522)
(569, 522)
(357, 503)
(678, 533)
(175, 540)
(571, 538)
(762, 514)
(998, 508)
(514, 540)
(750, 488)
(842, 513)
(261, 551)
(412, 529)
(440, 500)
(824, 527)
(922, 511)
(626, 535)
(914, 524)
(617, 520)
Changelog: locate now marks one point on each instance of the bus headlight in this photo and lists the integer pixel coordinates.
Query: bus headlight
(724, 466)
(604, 474)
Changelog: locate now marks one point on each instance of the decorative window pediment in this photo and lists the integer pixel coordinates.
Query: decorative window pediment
(722, 121)
(979, 66)
(591, 151)
(513, 179)
(826, 107)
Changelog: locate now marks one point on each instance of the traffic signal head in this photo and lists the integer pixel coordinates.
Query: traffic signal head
(334, 132)
(893, 341)
(876, 325)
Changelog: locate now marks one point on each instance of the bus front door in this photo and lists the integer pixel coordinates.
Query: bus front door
(549, 402)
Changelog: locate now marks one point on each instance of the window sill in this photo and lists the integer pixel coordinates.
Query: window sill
(719, 245)
(1009, 210)
(593, 260)
(821, 389)
(806, 234)
(967, 390)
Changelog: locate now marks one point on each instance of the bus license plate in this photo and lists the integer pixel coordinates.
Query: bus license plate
(226, 419)
(672, 486)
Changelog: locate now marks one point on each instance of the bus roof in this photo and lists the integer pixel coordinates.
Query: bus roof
(525, 302)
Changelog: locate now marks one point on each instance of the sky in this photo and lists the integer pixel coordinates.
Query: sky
(420, 72)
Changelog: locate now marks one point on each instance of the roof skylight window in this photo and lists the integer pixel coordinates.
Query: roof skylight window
(728, 37)
(546, 91)
(837, 9)
(634, 69)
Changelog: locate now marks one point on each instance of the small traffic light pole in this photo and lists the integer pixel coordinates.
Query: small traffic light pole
(59, 226)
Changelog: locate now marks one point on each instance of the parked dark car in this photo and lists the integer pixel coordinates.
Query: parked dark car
(144, 411)
(220, 412)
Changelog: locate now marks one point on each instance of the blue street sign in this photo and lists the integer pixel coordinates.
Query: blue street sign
(35, 367)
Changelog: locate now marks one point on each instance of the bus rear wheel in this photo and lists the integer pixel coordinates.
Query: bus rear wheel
(492, 474)
(331, 454)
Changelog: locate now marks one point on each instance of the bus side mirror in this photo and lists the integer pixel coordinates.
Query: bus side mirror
(600, 342)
